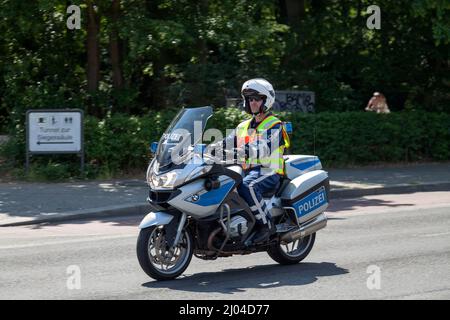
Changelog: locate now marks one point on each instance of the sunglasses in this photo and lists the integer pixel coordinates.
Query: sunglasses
(256, 98)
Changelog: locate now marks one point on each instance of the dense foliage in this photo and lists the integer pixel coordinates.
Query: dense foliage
(137, 55)
(120, 143)
(133, 62)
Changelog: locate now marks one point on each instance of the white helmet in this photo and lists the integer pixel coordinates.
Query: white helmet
(260, 87)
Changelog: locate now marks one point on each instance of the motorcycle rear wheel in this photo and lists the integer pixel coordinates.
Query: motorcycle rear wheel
(293, 252)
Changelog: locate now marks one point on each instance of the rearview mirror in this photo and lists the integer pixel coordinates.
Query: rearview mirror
(154, 147)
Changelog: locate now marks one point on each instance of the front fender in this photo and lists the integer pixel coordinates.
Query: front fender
(155, 218)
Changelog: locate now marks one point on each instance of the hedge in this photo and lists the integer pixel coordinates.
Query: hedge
(120, 143)
(359, 138)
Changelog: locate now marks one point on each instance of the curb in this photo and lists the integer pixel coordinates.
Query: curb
(111, 211)
(144, 208)
(398, 189)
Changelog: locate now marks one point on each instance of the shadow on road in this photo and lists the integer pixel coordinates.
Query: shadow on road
(352, 204)
(231, 281)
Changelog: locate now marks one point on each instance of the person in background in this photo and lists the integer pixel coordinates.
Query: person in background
(378, 103)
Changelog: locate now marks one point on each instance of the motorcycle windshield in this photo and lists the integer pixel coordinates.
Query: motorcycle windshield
(183, 133)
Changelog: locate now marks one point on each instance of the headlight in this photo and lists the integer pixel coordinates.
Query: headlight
(173, 178)
(198, 172)
(166, 180)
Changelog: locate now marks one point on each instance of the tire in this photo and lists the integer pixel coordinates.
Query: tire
(276, 252)
(145, 258)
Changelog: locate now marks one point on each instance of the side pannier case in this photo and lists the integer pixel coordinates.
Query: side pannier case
(307, 195)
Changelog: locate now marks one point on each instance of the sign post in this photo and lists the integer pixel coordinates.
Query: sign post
(303, 101)
(54, 131)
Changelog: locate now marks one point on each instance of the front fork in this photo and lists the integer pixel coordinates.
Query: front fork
(179, 230)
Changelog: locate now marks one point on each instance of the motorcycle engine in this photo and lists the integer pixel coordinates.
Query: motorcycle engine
(238, 226)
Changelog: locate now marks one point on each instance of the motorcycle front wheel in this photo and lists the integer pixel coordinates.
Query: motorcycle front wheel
(293, 252)
(158, 260)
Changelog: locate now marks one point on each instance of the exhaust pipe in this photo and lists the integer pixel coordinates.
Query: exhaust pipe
(306, 229)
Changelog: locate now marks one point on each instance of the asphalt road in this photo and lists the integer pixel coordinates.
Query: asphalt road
(403, 241)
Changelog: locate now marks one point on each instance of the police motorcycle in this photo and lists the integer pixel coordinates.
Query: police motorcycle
(196, 209)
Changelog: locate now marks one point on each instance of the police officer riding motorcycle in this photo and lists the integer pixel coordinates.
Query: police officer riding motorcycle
(205, 207)
(264, 139)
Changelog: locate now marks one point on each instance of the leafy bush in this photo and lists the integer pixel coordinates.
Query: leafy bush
(50, 172)
(120, 143)
(361, 138)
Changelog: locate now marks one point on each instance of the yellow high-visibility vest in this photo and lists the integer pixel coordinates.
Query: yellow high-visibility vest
(275, 160)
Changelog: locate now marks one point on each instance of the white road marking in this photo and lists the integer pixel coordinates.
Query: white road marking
(435, 234)
(42, 244)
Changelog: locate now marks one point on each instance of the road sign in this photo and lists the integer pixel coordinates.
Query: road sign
(51, 131)
(55, 131)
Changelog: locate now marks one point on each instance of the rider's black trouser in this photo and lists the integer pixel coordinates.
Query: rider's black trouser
(253, 187)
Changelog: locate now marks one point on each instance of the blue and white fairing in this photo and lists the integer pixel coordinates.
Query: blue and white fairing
(296, 165)
(191, 196)
(178, 164)
(176, 160)
(200, 203)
